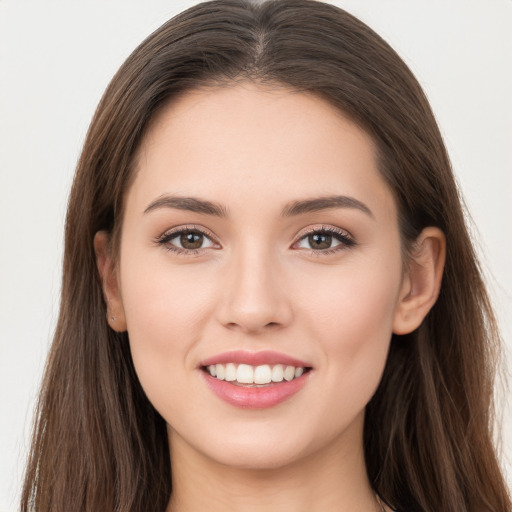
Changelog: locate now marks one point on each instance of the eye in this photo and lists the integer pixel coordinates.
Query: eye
(326, 240)
(186, 240)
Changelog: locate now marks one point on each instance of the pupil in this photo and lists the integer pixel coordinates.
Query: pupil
(191, 240)
(319, 241)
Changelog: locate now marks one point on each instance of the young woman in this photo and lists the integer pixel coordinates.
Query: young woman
(270, 299)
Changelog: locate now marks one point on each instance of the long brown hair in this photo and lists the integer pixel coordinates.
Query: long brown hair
(99, 445)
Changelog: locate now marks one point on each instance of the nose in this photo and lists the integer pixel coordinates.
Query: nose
(254, 298)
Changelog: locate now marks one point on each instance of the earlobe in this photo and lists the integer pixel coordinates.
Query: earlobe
(422, 283)
(110, 282)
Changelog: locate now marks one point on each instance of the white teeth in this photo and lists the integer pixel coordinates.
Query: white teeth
(245, 374)
(230, 374)
(221, 371)
(259, 375)
(278, 373)
(289, 373)
(262, 374)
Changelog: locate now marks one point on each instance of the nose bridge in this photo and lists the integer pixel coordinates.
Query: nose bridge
(255, 296)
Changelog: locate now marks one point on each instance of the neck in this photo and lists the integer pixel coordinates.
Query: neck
(333, 479)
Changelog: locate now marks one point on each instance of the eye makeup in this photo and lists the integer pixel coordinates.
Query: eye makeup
(192, 240)
(318, 238)
(190, 236)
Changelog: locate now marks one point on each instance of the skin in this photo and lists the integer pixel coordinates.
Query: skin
(256, 284)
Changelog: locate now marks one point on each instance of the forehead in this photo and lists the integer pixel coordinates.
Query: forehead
(240, 142)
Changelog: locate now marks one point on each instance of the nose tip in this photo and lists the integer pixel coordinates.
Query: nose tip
(252, 322)
(255, 299)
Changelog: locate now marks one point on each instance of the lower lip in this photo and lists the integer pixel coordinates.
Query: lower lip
(255, 397)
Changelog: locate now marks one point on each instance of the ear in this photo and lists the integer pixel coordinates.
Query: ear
(110, 282)
(422, 281)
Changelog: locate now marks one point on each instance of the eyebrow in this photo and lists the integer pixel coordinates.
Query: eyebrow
(292, 209)
(324, 203)
(191, 204)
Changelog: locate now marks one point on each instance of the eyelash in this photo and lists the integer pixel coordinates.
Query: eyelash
(345, 239)
(164, 240)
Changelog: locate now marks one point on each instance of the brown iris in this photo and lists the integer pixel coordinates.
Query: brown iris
(191, 240)
(320, 241)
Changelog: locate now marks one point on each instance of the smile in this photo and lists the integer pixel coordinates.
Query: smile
(245, 374)
(255, 380)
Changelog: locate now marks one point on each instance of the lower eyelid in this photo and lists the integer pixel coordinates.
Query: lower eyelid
(344, 239)
(205, 237)
(171, 235)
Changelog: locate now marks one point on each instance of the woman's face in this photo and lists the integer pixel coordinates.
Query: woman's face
(258, 235)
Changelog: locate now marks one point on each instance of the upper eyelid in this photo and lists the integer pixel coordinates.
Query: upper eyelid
(302, 233)
(184, 229)
(173, 232)
(165, 238)
(323, 228)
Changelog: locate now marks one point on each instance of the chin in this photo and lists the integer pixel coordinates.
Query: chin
(257, 458)
(263, 448)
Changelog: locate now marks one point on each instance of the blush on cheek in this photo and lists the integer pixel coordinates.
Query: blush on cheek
(165, 318)
(354, 322)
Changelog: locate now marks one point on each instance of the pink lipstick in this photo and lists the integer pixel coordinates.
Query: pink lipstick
(255, 380)
(255, 358)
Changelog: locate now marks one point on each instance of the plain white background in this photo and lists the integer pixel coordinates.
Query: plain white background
(56, 58)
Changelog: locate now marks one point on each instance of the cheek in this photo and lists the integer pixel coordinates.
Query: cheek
(163, 300)
(351, 316)
(165, 309)
(355, 298)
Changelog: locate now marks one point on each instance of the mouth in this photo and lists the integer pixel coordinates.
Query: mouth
(255, 380)
(247, 375)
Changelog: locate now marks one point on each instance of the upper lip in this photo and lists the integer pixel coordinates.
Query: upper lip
(255, 358)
